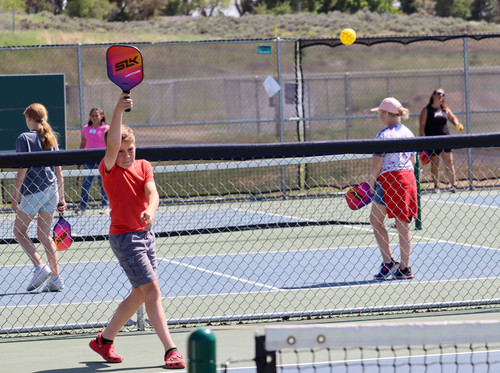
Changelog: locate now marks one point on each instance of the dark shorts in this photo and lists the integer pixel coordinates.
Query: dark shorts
(378, 197)
(438, 151)
(137, 256)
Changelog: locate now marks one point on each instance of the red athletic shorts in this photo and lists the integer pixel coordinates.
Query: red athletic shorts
(400, 194)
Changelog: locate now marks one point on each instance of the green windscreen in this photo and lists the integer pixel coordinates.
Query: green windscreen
(19, 91)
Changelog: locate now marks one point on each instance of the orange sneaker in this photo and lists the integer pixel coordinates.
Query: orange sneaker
(106, 351)
(174, 360)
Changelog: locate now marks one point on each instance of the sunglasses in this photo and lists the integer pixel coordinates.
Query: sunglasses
(440, 94)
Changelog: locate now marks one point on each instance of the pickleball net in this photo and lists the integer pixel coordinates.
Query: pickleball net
(453, 346)
(217, 196)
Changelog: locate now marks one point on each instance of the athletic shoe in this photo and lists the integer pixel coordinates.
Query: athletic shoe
(437, 190)
(80, 211)
(453, 189)
(40, 274)
(174, 360)
(54, 283)
(386, 270)
(403, 274)
(106, 351)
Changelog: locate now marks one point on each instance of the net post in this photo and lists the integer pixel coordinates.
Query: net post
(201, 351)
(265, 360)
(141, 320)
(416, 170)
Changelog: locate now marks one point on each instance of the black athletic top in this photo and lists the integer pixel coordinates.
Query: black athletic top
(436, 122)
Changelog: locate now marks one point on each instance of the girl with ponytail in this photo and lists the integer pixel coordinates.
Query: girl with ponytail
(42, 191)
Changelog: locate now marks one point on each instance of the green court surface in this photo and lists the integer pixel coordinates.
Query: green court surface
(143, 353)
(325, 269)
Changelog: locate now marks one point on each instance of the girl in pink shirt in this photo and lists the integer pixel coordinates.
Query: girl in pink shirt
(93, 138)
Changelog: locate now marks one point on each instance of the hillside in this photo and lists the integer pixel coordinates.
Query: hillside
(45, 28)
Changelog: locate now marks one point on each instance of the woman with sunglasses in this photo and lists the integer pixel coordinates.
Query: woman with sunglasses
(434, 122)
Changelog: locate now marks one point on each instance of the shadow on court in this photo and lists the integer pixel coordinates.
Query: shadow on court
(102, 367)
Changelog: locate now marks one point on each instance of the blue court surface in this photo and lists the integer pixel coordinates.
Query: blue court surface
(241, 273)
(166, 221)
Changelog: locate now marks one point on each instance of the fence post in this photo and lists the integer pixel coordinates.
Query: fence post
(467, 108)
(416, 169)
(80, 84)
(141, 321)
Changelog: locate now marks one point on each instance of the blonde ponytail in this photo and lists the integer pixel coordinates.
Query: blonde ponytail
(38, 113)
(404, 113)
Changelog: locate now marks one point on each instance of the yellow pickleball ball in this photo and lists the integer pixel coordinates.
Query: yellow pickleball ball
(348, 36)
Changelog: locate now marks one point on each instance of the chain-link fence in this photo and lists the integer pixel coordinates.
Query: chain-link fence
(243, 237)
(212, 92)
(263, 232)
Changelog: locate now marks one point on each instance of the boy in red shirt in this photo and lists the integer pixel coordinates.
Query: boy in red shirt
(133, 198)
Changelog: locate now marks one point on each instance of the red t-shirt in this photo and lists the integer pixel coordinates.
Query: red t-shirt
(126, 194)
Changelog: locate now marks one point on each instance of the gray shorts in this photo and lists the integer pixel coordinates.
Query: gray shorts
(45, 201)
(137, 256)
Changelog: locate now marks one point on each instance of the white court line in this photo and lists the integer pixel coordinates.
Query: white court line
(220, 274)
(431, 239)
(430, 199)
(279, 215)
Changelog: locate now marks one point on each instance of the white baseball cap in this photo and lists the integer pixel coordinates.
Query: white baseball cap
(389, 104)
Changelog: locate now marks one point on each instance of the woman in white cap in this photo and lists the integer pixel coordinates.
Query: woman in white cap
(392, 179)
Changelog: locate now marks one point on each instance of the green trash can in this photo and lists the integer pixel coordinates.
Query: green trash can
(201, 351)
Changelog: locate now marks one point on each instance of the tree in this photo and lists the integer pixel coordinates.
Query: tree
(454, 8)
(352, 6)
(207, 8)
(461, 9)
(36, 6)
(409, 6)
(99, 9)
(12, 5)
(134, 10)
(245, 6)
(484, 10)
(443, 8)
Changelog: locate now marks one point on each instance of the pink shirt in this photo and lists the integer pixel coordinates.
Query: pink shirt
(94, 137)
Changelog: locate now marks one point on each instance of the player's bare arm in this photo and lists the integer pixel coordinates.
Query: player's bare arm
(61, 204)
(153, 199)
(422, 120)
(377, 162)
(113, 141)
(21, 174)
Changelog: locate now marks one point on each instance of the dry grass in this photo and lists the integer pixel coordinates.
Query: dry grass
(45, 28)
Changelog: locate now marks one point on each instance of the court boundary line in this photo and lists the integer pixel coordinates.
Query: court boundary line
(219, 274)
(438, 200)
(437, 240)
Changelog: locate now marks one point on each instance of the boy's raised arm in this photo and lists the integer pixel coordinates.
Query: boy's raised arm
(114, 137)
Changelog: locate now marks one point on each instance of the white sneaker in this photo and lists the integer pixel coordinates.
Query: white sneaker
(54, 283)
(40, 274)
